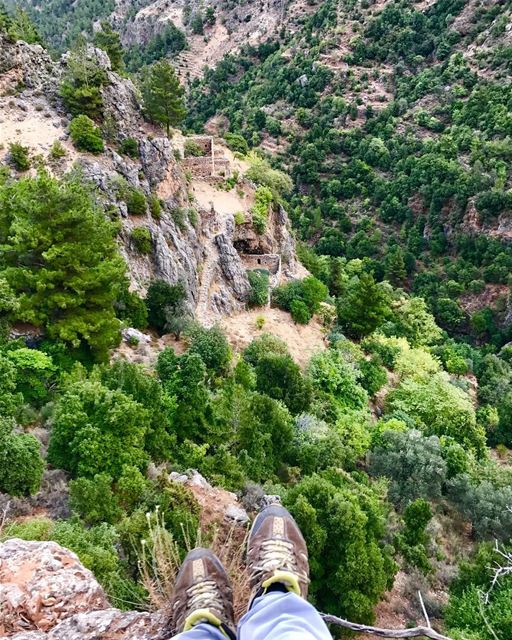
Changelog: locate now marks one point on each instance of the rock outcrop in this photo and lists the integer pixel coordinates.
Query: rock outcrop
(190, 244)
(46, 593)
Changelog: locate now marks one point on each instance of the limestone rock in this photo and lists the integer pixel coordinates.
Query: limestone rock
(237, 514)
(42, 583)
(232, 267)
(131, 334)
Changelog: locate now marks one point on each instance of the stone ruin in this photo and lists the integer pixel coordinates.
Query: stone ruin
(212, 164)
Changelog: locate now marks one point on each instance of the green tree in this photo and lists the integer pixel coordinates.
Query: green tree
(110, 41)
(363, 306)
(264, 433)
(163, 95)
(394, 267)
(413, 463)
(211, 345)
(60, 257)
(34, 374)
(440, 408)
(82, 83)
(163, 301)
(97, 430)
(343, 523)
(411, 319)
(21, 464)
(279, 377)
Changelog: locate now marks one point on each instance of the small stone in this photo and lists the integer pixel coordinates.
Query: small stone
(237, 514)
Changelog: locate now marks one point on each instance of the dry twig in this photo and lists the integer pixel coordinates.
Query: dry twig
(416, 632)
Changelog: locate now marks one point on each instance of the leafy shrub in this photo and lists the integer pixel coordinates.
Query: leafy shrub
(310, 291)
(163, 301)
(34, 374)
(485, 505)
(19, 156)
(57, 151)
(279, 377)
(131, 308)
(21, 464)
(136, 202)
(193, 149)
(155, 206)
(262, 346)
(413, 463)
(141, 238)
(237, 143)
(97, 430)
(259, 281)
(438, 407)
(343, 523)
(261, 173)
(129, 147)
(299, 312)
(85, 135)
(211, 345)
(262, 202)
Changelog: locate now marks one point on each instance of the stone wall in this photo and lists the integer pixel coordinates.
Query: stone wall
(269, 261)
(200, 167)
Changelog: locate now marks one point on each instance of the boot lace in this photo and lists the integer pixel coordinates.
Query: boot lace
(276, 554)
(204, 595)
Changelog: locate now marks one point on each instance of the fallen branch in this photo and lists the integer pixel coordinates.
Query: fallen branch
(416, 632)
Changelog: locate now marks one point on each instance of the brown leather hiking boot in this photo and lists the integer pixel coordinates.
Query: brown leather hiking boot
(277, 553)
(202, 593)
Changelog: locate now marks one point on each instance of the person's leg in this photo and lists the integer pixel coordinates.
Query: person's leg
(202, 631)
(282, 616)
(202, 602)
(278, 566)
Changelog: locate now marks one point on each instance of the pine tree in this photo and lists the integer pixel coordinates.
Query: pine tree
(60, 258)
(363, 307)
(163, 95)
(109, 40)
(396, 272)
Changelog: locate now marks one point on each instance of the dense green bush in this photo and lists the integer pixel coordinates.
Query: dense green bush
(19, 156)
(21, 464)
(211, 345)
(164, 301)
(413, 463)
(259, 281)
(310, 291)
(97, 430)
(135, 202)
(85, 135)
(141, 238)
(343, 523)
(129, 147)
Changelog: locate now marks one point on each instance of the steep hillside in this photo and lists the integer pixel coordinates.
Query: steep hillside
(394, 120)
(381, 418)
(185, 207)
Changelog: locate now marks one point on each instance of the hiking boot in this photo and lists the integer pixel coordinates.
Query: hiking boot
(202, 593)
(277, 557)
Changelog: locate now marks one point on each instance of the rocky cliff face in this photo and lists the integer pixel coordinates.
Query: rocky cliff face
(192, 242)
(47, 594)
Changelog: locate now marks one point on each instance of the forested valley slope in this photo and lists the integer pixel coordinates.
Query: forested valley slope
(256, 251)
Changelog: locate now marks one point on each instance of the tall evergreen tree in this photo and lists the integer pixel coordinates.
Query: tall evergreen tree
(363, 307)
(58, 254)
(110, 41)
(163, 95)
